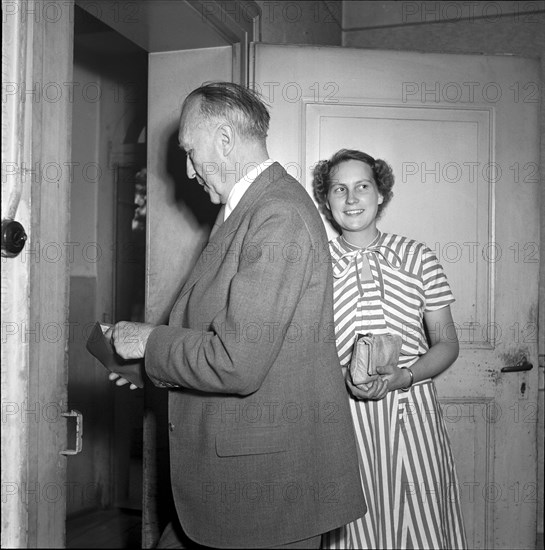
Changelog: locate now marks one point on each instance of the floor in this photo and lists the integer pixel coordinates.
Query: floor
(120, 528)
(116, 528)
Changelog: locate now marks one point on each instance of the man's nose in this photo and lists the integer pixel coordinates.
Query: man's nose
(190, 169)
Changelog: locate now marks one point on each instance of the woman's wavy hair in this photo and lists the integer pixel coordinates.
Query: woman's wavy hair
(382, 173)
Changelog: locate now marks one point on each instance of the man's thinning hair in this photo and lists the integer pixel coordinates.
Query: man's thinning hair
(236, 104)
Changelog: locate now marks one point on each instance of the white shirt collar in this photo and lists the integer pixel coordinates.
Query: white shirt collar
(242, 185)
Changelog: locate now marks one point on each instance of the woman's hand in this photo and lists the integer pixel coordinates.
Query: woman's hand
(377, 389)
(396, 377)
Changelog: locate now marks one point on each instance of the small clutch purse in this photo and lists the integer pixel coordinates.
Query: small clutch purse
(371, 351)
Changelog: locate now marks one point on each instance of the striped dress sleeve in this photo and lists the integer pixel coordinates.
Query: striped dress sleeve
(437, 292)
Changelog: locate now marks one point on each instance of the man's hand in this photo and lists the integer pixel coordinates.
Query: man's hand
(121, 381)
(129, 339)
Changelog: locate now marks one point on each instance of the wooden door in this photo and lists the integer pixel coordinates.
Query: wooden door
(179, 218)
(461, 133)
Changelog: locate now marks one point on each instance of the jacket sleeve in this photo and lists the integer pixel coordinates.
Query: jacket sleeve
(246, 336)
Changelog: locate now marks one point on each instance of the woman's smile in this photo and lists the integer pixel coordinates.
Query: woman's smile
(354, 212)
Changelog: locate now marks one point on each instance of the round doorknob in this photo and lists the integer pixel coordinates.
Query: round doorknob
(13, 238)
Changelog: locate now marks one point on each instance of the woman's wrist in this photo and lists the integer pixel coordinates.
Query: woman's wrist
(409, 379)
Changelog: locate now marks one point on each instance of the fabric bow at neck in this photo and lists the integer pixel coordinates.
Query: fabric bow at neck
(355, 257)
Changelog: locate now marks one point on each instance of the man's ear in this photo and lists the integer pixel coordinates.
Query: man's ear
(226, 139)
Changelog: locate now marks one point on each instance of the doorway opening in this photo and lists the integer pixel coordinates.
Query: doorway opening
(107, 279)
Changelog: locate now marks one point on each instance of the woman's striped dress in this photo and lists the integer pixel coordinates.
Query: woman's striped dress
(408, 474)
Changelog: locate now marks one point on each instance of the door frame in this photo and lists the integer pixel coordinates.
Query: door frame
(238, 22)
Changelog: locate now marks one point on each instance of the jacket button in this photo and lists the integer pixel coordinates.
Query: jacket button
(171, 426)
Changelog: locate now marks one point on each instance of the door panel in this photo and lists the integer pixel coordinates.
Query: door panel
(388, 132)
(463, 145)
(179, 218)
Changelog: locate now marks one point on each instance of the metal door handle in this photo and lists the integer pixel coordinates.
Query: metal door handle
(79, 432)
(522, 365)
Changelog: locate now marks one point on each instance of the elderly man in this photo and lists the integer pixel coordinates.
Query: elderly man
(262, 449)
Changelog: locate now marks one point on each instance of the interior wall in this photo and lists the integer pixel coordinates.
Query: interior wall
(493, 28)
(301, 22)
(179, 219)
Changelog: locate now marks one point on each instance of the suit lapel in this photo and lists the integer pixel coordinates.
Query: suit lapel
(218, 242)
(219, 221)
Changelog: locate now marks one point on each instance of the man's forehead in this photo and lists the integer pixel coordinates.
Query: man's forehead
(184, 130)
(188, 120)
(185, 119)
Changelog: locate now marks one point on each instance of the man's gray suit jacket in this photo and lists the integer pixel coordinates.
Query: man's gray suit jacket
(262, 448)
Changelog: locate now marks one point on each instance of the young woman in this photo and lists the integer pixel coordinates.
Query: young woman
(390, 284)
